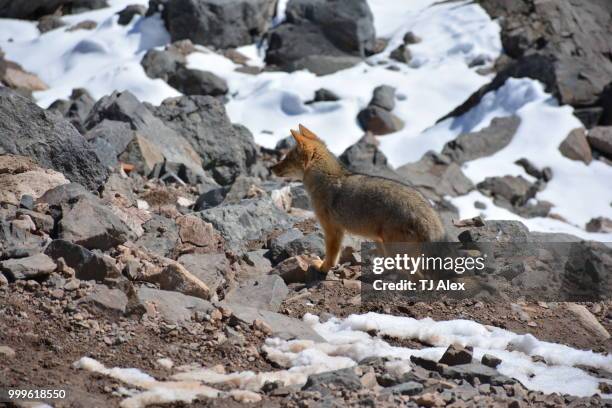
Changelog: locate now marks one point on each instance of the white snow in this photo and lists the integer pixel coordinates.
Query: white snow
(347, 341)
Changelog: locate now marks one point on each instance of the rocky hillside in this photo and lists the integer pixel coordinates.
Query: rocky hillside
(148, 256)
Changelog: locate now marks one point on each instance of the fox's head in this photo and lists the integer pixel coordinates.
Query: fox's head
(300, 158)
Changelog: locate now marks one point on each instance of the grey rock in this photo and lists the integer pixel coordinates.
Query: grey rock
(530, 168)
(576, 147)
(490, 360)
(244, 221)
(407, 388)
(88, 265)
(43, 222)
(162, 63)
(483, 143)
(470, 372)
(325, 95)
(345, 379)
(212, 269)
(277, 245)
(282, 326)
(102, 298)
(600, 139)
(211, 198)
(227, 150)
(154, 141)
(110, 139)
(127, 14)
(323, 64)
(379, 121)
(435, 176)
(17, 242)
(300, 198)
(599, 224)
(197, 82)
(51, 141)
(497, 231)
(313, 244)
(49, 23)
(411, 38)
(174, 307)
(160, 236)
(365, 157)
(76, 108)
(265, 292)
(401, 54)
(384, 97)
(455, 355)
(33, 9)
(514, 189)
(32, 267)
(220, 23)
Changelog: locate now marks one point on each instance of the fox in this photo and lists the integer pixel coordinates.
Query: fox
(376, 208)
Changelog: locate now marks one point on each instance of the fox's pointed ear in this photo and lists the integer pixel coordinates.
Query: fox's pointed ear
(307, 133)
(299, 138)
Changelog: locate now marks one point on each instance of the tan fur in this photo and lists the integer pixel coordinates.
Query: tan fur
(373, 207)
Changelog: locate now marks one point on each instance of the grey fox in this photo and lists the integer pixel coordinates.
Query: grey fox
(373, 207)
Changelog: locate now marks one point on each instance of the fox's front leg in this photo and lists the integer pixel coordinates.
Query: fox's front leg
(333, 242)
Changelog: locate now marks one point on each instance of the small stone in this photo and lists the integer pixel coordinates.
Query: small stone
(262, 326)
(401, 54)
(455, 355)
(576, 147)
(430, 399)
(600, 224)
(411, 38)
(6, 351)
(490, 360)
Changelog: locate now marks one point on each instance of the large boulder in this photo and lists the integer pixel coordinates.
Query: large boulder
(162, 63)
(153, 143)
(549, 42)
(227, 150)
(322, 36)
(220, 23)
(34, 9)
(49, 140)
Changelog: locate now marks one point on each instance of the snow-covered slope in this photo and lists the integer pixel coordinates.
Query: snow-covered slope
(437, 80)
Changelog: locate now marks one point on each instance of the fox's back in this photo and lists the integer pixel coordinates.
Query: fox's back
(365, 205)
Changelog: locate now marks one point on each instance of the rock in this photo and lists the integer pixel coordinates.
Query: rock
(160, 236)
(600, 139)
(42, 222)
(325, 95)
(401, 54)
(127, 14)
(299, 197)
(322, 36)
(548, 43)
(211, 198)
(197, 82)
(102, 298)
(88, 222)
(490, 360)
(435, 176)
(344, 379)
(193, 230)
(407, 388)
(227, 150)
(83, 25)
(530, 168)
(244, 221)
(52, 142)
(455, 355)
(348, 24)
(265, 292)
(469, 372)
(282, 326)
(110, 138)
(220, 23)
(88, 265)
(483, 143)
(32, 267)
(587, 320)
(500, 231)
(49, 23)
(277, 244)
(365, 157)
(311, 244)
(383, 97)
(411, 38)
(211, 269)
(599, 224)
(516, 190)
(14, 76)
(379, 121)
(153, 143)
(34, 9)
(296, 270)
(162, 63)
(430, 399)
(173, 307)
(576, 147)
(176, 278)
(7, 352)
(18, 241)
(76, 109)
(21, 177)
